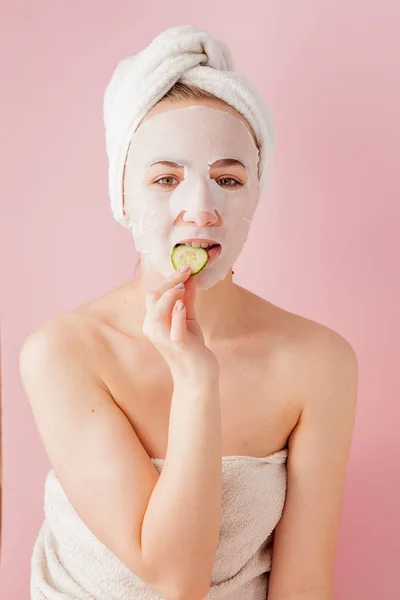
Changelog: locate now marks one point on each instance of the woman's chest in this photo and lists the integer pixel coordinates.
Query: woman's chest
(257, 405)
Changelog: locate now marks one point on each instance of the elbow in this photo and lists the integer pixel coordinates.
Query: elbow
(172, 583)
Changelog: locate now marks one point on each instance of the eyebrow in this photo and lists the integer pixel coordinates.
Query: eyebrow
(227, 162)
(223, 162)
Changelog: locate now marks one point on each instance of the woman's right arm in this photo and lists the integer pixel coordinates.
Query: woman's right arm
(165, 528)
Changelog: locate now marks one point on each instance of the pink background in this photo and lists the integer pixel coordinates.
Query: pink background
(324, 244)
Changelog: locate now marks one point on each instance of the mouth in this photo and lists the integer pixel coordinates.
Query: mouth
(212, 247)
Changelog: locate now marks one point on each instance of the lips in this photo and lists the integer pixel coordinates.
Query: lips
(199, 240)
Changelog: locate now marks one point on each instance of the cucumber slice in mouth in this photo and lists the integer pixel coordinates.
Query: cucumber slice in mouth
(182, 255)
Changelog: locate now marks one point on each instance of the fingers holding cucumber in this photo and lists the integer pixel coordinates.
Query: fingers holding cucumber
(169, 285)
(173, 328)
(163, 322)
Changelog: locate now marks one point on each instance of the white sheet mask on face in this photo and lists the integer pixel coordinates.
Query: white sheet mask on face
(162, 216)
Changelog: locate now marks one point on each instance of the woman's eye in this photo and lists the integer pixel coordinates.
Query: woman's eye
(234, 183)
(166, 178)
(169, 181)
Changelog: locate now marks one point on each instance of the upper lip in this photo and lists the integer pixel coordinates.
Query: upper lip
(200, 240)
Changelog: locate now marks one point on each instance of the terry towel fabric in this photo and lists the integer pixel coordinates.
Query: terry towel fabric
(70, 563)
(190, 55)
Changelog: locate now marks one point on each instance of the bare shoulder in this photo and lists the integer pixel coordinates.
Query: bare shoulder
(320, 344)
(71, 338)
(324, 352)
(324, 363)
(298, 333)
(314, 354)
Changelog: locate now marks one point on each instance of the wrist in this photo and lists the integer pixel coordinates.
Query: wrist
(195, 370)
(196, 379)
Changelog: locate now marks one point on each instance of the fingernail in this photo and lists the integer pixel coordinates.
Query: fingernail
(181, 306)
(180, 286)
(184, 268)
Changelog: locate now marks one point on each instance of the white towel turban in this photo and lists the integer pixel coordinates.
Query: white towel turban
(192, 56)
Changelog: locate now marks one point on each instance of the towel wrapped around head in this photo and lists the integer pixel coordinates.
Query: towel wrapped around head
(192, 56)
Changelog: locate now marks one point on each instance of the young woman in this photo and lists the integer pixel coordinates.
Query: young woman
(193, 427)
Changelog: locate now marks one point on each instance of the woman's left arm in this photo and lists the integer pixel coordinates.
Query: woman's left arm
(305, 538)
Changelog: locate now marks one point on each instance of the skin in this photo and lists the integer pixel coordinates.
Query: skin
(284, 380)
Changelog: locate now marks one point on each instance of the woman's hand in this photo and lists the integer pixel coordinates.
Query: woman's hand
(171, 325)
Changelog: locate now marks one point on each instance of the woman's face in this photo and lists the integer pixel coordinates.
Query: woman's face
(191, 174)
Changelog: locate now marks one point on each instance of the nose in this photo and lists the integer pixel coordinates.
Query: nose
(200, 209)
(200, 218)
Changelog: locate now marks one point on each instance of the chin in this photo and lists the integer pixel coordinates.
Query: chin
(208, 279)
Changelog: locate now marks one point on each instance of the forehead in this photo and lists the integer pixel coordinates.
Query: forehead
(198, 132)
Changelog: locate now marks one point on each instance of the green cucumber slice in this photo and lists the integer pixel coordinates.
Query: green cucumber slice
(182, 255)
